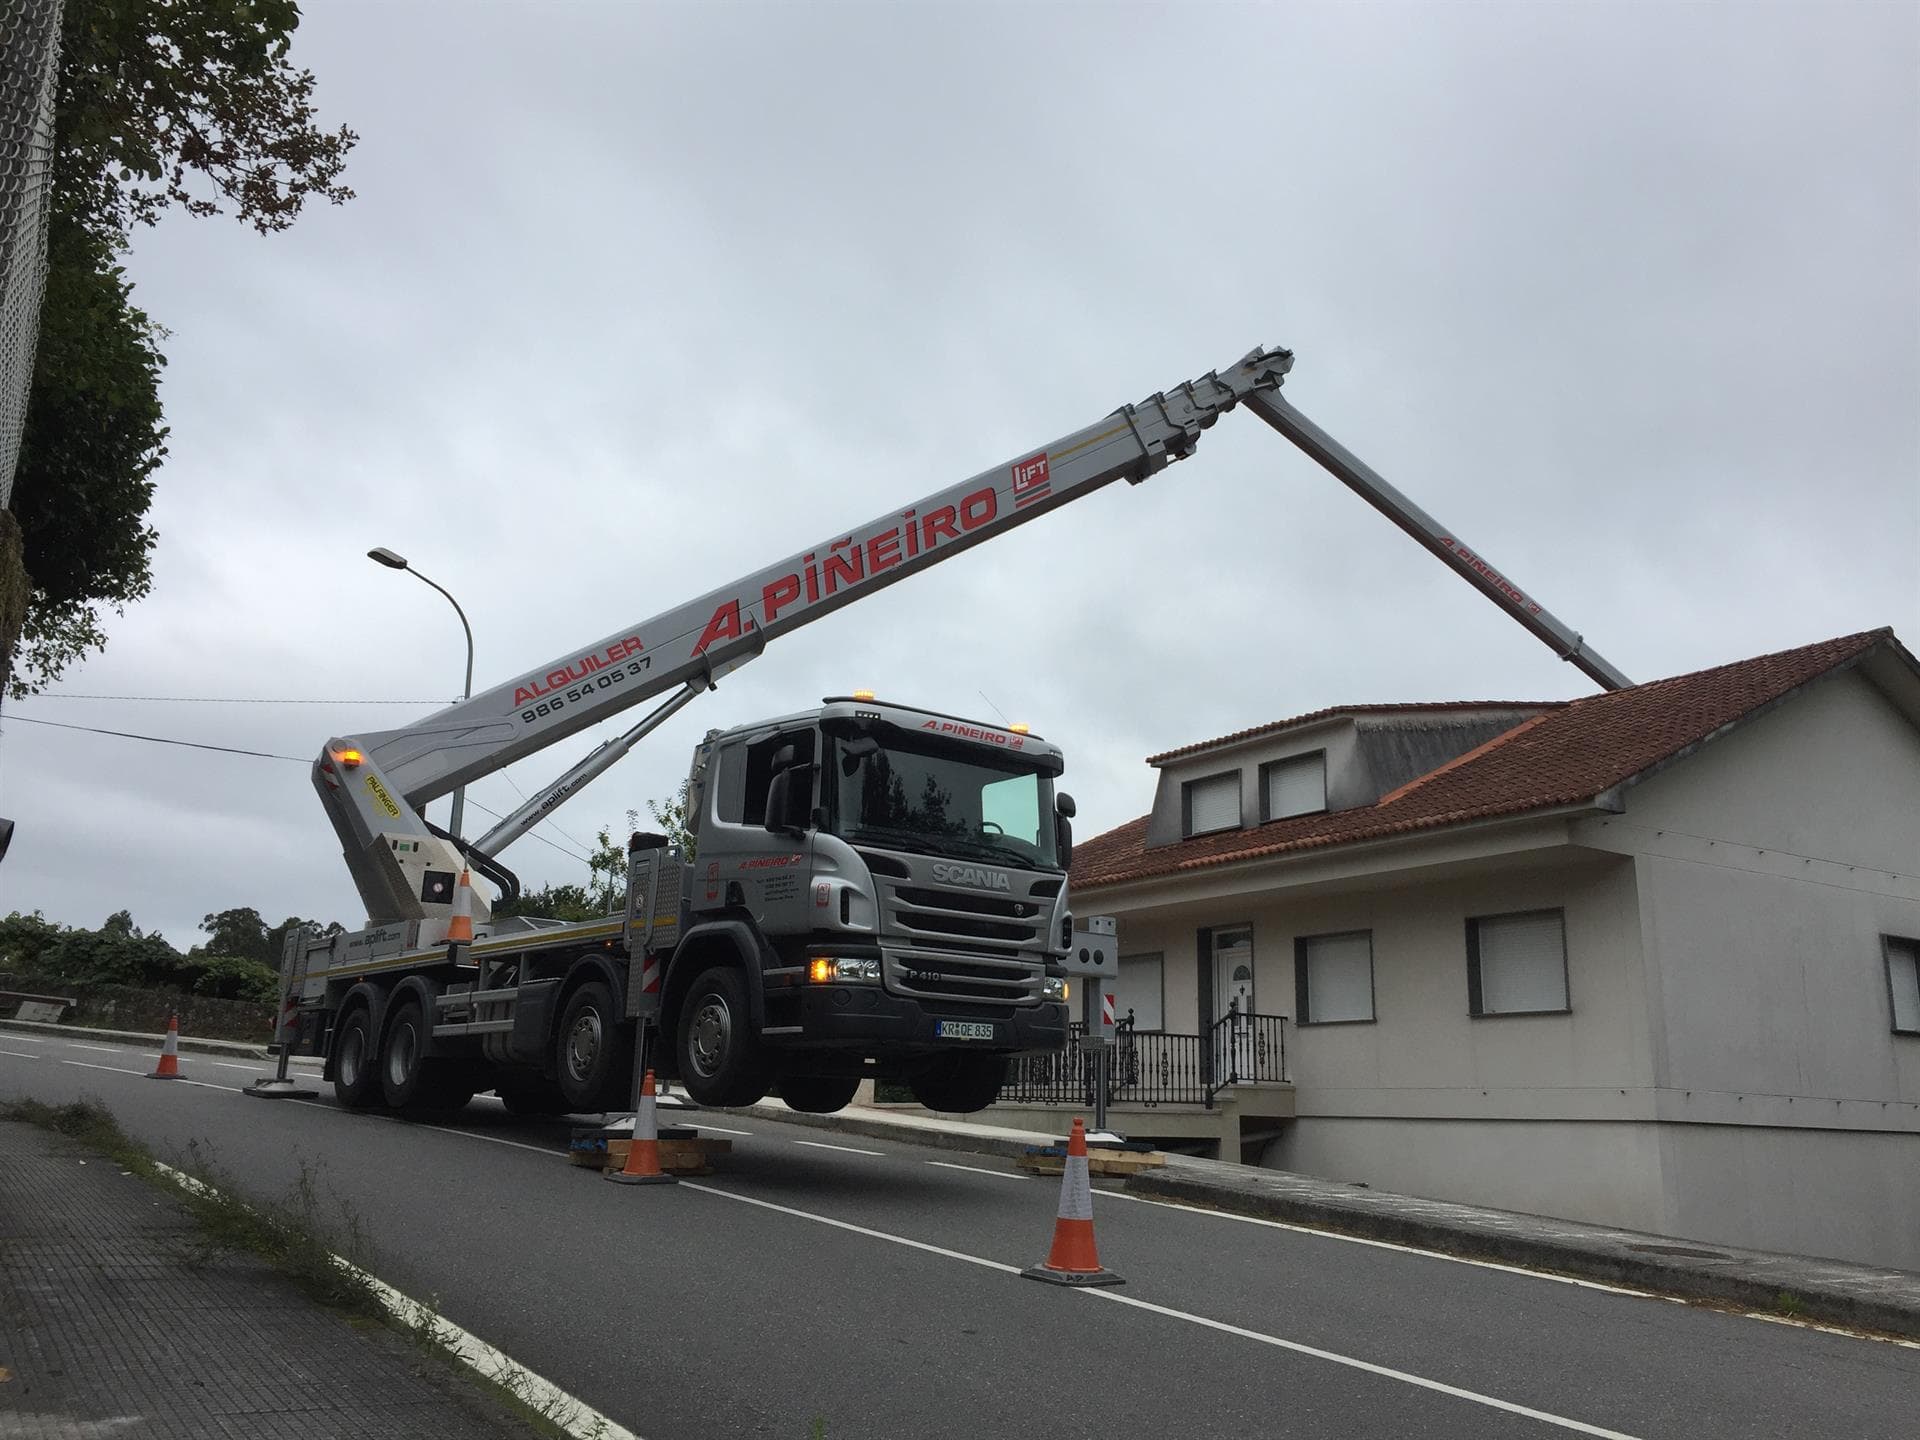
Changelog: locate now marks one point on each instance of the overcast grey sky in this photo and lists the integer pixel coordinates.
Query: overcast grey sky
(638, 297)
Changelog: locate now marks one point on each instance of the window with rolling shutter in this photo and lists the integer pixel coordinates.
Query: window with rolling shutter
(1140, 991)
(1903, 982)
(1295, 786)
(1333, 978)
(1213, 803)
(1517, 964)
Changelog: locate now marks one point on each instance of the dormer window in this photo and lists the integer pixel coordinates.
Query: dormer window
(1294, 786)
(1211, 804)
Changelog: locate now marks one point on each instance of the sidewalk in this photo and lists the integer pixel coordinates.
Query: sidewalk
(109, 1325)
(1830, 1292)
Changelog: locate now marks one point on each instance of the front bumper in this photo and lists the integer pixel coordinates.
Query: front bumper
(868, 1019)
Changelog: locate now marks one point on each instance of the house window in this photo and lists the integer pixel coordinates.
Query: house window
(1333, 978)
(1140, 988)
(1295, 786)
(1212, 804)
(1517, 964)
(1903, 982)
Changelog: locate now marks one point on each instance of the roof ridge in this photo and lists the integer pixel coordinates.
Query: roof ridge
(1330, 712)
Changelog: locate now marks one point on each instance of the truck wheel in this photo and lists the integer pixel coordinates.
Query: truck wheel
(959, 1084)
(410, 1081)
(356, 1076)
(531, 1096)
(818, 1094)
(721, 1062)
(593, 1053)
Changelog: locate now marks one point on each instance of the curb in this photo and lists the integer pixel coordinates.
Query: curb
(237, 1048)
(1012, 1144)
(1750, 1279)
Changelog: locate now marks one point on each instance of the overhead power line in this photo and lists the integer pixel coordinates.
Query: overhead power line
(265, 755)
(156, 739)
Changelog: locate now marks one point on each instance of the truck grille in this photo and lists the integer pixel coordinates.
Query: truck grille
(947, 943)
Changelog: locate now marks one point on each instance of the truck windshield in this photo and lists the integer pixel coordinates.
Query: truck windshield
(941, 800)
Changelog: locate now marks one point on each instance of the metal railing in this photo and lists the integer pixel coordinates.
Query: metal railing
(1155, 1067)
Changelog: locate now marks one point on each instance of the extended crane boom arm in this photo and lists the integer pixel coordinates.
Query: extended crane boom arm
(374, 785)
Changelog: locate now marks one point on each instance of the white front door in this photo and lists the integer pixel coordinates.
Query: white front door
(1232, 972)
(1232, 996)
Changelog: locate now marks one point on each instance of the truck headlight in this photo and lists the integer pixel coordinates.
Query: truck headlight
(826, 970)
(1054, 988)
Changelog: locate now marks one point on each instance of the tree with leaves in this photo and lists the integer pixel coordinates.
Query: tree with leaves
(159, 105)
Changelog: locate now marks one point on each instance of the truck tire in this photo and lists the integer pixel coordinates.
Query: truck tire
(959, 1084)
(356, 1071)
(818, 1094)
(531, 1095)
(721, 1060)
(410, 1081)
(593, 1051)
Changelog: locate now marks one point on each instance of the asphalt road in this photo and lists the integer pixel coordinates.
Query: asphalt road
(875, 1285)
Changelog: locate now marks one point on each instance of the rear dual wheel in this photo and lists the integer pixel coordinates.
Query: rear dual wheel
(411, 1081)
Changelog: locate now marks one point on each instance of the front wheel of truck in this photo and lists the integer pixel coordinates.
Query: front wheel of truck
(818, 1094)
(721, 1060)
(959, 1084)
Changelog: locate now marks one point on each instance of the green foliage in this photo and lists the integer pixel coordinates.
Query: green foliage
(92, 441)
(608, 865)
(671, 817)
(163, 104)
(555, 902)
(118, 953)
(158, 104)
(240, 932)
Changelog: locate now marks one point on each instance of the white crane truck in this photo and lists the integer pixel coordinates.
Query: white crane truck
(877, 890)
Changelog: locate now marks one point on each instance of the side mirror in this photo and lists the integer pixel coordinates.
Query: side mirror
(1063, 840)
(788, 801)
(1063, 805)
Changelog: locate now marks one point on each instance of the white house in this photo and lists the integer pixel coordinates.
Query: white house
(1646, 958)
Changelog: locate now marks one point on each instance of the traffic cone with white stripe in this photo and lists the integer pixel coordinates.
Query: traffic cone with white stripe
(1073, 1260)
(169, 1052)
(460, 927)
(643, 1151)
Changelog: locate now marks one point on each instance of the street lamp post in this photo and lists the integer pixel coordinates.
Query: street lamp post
(399, 562)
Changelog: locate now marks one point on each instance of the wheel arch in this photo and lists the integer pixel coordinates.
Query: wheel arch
(719, 942)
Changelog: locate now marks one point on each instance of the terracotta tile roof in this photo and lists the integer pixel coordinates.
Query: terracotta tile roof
(1567, 755)
(1439, 707)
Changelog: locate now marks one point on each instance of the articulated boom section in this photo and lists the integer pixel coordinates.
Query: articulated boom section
(401, 770)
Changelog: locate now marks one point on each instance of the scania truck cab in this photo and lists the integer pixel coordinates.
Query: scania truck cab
(902, 875)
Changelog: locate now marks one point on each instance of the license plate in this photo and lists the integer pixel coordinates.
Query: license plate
(963, 1030)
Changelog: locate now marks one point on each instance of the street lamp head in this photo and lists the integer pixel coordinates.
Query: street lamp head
(387, 558)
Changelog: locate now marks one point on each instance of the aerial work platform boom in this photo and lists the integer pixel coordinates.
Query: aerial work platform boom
(375, 785)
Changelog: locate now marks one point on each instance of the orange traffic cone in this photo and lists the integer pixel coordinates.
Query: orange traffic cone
(643, 1151)
(1074, 1260)
(169, 1052)
(460, 927)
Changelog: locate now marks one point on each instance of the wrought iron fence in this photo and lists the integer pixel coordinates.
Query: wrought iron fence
(1154, 1067)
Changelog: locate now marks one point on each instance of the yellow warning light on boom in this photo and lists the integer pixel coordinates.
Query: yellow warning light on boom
(1020, 729)
(350, 757)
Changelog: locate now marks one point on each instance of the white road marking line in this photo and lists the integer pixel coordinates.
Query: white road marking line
(104, 1049)
(848, 1149)
(717, 1129)
(1405, 1377)
(856, 1229)
(1387, 1372)
(1389, 1245)
(572, 1415)
(117, 1069)
(20, 1054)
(234, 1065)
(997, 1174)
(30, 1039)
